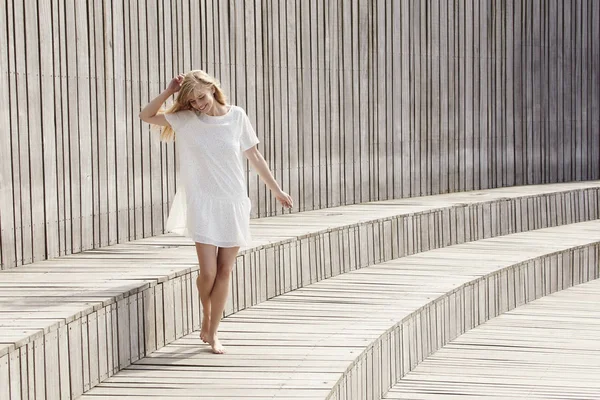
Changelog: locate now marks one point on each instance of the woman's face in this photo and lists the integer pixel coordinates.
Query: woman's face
(203, 100)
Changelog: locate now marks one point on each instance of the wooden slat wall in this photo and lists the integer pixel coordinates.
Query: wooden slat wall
(353, 101)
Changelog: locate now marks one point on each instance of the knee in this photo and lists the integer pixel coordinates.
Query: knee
(207, 272)
(224, 270)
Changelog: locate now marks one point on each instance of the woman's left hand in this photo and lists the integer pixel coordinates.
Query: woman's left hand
(285, 199)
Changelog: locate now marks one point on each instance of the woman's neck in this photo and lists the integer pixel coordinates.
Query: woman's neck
(219, 110)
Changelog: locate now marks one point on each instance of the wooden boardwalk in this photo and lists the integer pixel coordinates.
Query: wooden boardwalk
(299, 344)
(548, 349)
(69, 323)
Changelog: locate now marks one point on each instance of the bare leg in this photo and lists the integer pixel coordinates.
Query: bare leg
(225, 260)
(207, 259)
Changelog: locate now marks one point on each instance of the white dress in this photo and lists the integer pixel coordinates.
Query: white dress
(211, 204)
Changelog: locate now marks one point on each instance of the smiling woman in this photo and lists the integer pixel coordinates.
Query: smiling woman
(211, 205)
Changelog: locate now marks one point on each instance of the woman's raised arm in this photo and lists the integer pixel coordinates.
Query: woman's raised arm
(150, 113)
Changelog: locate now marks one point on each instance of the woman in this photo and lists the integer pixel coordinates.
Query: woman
(211, 137)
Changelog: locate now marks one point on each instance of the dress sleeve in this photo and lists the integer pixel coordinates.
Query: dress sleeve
(177, 120)
(248, 138)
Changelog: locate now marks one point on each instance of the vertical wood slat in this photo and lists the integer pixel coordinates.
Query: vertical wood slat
(130, 110)
(33, 148)
(22, 212)
(5, 379)
(120, 130)
(94, 123)
(8, 245)
(430, 97)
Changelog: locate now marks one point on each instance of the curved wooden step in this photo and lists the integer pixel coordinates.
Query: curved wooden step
(77, 320)
(549, 348)
(350, 336)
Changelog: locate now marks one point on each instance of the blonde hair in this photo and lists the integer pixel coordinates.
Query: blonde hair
(191, 81)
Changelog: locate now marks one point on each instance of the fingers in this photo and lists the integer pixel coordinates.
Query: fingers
(287, 201)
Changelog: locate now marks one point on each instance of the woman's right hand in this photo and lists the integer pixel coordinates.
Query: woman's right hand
(175, 84)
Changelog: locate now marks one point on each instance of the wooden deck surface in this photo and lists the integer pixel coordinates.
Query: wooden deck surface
(91, 314)
(297, 345)
(547, 349)
(40, 297)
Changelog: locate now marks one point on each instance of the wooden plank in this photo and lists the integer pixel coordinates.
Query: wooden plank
(178, 307)
(8, 245)
(578, 83)
(318, 18)
(130, 113)
(71, 138)
(85, 354)
(594, 114)
(93, 349)
(536, 80)
(423, 166)
(435, 152)
(166, 75)
(50, 209)
(110, 127)
(63, 362)
(5, 377)
(160, 329)
(136, 224)
(274, 113)
(498, 145)
(14, 359)
(82, 82)
(468, 96)
(25, 384)
(169, 311)
(94, 117)
(262, 107)
(134, 327)
(120, 128)
(149, 320)
(123, 339)
(22, 195)
(75, 358)
(405, 101)
(51, 366)
(483, 135)
(113, 342)
(346, 123)
(34, 182)
(509, 105)
(143, 199)
(103, 336)
(102, 118)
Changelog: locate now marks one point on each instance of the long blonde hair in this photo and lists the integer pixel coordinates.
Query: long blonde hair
(191, 81)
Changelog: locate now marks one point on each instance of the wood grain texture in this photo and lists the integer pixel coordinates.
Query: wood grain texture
(549, 344)
(118, 304)
(357, 101)
(330, 339)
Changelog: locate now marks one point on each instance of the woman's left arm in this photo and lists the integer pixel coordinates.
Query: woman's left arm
(259, 164)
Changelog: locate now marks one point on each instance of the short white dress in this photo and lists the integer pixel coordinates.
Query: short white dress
(211, 204)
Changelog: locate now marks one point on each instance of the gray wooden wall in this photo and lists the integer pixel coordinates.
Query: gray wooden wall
(353, 100)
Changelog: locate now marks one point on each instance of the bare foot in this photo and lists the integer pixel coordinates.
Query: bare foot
(216, 345)
(205, 328)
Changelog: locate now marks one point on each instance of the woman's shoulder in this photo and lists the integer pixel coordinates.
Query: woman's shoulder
(183, 113)
(179, 119)
(237, 109)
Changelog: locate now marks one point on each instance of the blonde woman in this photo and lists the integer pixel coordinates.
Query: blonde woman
(212, 137)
